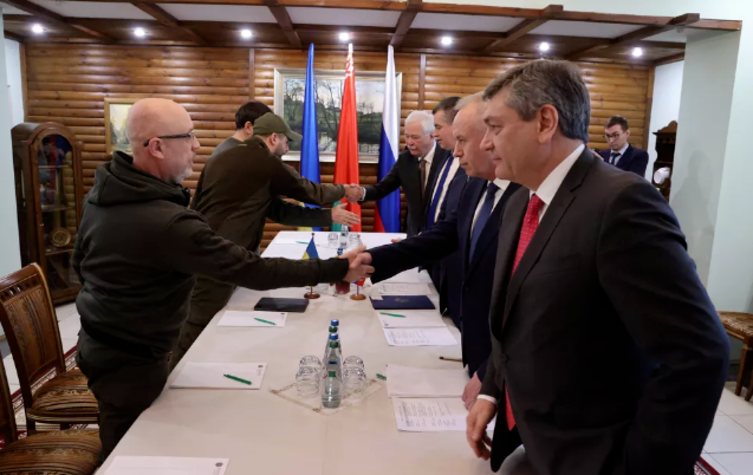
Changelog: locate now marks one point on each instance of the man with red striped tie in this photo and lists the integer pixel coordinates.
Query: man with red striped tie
(608, 357)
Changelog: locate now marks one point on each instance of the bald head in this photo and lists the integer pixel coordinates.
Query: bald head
(469, 129)
(167, 130)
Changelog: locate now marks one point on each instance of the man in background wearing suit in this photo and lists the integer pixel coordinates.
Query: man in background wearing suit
(608, 357)
(621, 154)
(416, 170)
(471, 231)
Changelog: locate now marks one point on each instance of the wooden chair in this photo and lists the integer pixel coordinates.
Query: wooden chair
(740, 326)
(28, 318)
(68, 452)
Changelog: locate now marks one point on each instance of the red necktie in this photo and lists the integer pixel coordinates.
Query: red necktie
(530, 223)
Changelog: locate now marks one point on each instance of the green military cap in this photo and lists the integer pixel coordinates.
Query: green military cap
(270, 123)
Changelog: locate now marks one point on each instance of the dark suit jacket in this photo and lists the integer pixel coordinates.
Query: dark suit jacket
(635, 160)
(612, 352)
(405, 173)
(475, 282)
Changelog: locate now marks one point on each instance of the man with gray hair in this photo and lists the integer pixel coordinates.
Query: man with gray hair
(416, 170)
(608, 357)
(137, 252)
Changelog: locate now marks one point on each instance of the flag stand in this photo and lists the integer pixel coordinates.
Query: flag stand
(311, 295)
(358, 295)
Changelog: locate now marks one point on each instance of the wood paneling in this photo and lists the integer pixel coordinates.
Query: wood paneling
(69, 83)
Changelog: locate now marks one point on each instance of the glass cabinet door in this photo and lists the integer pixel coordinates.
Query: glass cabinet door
(59, 214)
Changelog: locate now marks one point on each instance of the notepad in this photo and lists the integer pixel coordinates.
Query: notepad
(167, 466)
(403, 288)
(242, 318)
(196, 375)
(407, 381)
(299, 242)
(430, 415)
(410, 319)
(419, 337)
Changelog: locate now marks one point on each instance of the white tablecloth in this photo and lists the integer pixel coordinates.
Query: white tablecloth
(261, 433)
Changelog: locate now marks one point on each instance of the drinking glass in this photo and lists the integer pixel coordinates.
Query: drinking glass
(307, 381)
(354, 381)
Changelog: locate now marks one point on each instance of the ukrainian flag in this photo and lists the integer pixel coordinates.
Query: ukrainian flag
(311, 250)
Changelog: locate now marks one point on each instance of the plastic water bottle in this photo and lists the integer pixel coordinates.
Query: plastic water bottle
(332, 337)
(332, 384)
(344, 240)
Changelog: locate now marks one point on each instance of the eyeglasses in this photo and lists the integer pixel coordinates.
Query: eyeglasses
(615, 135)
(190, 135)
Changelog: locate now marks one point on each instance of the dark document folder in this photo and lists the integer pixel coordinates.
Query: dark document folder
(403, 302)
(270, 304)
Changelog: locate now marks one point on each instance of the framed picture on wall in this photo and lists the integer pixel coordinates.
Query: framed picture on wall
(116, 112)
(289, 94)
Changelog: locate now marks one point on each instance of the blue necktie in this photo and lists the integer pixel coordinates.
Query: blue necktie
(613, 158)
(438, 194)
(483, 216)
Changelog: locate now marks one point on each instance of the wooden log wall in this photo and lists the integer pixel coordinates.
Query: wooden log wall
(68, 84)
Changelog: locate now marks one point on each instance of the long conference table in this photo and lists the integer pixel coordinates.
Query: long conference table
(262, 433)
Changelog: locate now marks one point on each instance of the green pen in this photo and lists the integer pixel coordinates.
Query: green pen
(236, 378)
(381, 376)
(264, 321)
(397, 315)
(302, 242)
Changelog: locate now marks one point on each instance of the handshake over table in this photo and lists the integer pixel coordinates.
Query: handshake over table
(360, 264)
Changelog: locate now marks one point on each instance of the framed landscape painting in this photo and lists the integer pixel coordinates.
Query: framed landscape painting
(116, 112)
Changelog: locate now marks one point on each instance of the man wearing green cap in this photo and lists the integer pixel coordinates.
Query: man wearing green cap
(237, 191)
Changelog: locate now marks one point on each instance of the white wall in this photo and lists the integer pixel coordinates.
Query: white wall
(10, 258)
(15, 87)
(665, 106)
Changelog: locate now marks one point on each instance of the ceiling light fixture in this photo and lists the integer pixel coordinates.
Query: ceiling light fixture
(446, 40)
(544, 46)
(637, 52)
(139, 32)
(246, 34)
(37, 29)
(344, 36)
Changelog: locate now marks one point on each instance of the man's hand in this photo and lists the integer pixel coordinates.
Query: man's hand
(340, 215)
(359, 264)
(394, 240)
(481, 415)
(471, 391)
(353, 193)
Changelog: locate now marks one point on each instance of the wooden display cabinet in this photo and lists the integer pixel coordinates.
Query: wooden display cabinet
(49, 197)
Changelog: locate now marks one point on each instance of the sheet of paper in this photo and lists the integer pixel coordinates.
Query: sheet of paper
(403, 288)
(407, 381)
(211, 375)
(430, 414)
(167, 466)
(283, 241)
(248, 318)
(287, 252)
(412, 319)
(419, 337)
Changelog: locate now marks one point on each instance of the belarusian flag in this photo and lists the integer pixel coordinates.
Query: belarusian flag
(346, 157)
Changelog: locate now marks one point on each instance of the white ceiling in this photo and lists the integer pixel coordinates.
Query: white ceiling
(120, 11)
(440, 21)
(234, 13)
(8, 10)
(342, 16)
(584, 29)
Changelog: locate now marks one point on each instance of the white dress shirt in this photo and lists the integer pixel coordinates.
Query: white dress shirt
(621, 154)
(450, 175)
(428, 159)
(502, 185)
(546, 192)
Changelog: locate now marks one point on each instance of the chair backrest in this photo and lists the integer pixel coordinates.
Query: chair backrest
(29, 321)
(8, 428)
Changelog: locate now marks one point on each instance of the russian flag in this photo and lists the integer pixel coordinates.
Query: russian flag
(387, 216)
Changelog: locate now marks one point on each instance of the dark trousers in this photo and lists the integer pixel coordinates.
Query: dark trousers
(208, 298)
(124, 385)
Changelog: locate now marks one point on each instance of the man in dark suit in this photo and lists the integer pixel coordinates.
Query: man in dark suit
(621, 154)
(470, 231)
(416, 170)
(608, 357)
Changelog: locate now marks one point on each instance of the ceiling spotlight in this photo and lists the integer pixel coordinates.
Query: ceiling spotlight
(246, 34)
(36, 28)
(446, 40)
(637, 52)
(544, 47)
(344, 36)
(139, 32)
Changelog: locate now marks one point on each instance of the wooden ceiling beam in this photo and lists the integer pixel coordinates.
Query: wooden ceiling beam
(523, 28)
(48, 16)
(162, 16)
(643, 33)
(405, 21)
(283, 19)
(669, 59)
(13, 36)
